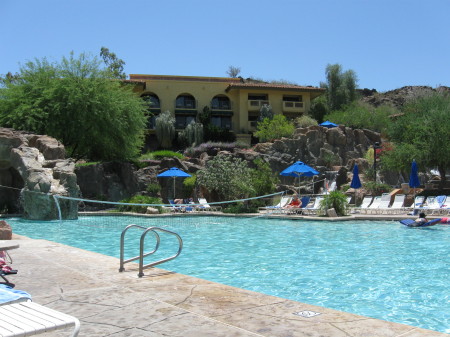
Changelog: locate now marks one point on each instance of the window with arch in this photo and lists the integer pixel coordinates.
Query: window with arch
(221, 102)
(152, 100)
(185, 101)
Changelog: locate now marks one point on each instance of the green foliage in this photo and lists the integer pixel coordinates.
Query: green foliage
(340, 86)
(87, 164)
(331, 159)
(228, 177)
(204, 117)
(241, 207)
(215, 133)
(421, 133)
(364, 116)
(165, 129)
(265, 112)
(319, 108)
(305, 121)
(336, 200)
(114, 64)
(375, 188)
(153, 189)
(140, 199)
(158, 155)
(263, 179)
(192, 135)
(271, 129)
(77, 103)
(189, 186)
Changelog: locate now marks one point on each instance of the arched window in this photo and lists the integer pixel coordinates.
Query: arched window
(220, 102)
(185, 101)
(152, 100)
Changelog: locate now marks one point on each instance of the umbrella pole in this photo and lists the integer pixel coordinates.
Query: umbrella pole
(173, 188)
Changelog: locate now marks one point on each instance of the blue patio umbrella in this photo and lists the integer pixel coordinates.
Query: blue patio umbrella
(356, 182)
(299, 169)
(328, 124)
(414, 177)
(173, 172)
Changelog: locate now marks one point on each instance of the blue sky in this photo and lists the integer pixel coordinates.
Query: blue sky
(388, 43)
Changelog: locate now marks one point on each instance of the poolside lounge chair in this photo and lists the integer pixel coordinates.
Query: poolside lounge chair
(372, 208)
(297, 210)
(397, 206)
(434, 206)
(384, 205)
(19, 316)
(418, 203)
(204, 206)
(314, 208)
(364, 205)
(283, 202)
(29, 318)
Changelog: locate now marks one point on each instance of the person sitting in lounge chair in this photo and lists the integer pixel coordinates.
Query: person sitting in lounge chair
(295, 203)
(420, 220)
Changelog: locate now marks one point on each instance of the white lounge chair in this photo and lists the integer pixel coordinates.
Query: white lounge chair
(373, 206)
(314, 208)
(204, 206)
(29, 318)
(283, 202)
(397, 206)
(385, 203)
(364, 205)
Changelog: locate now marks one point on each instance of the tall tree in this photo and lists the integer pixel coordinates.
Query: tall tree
(233, 71)
(340, 86)
(422, 133)
(76, 102)
(113, 63)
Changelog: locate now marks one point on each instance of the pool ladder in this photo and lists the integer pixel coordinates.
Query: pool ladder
(141, 255)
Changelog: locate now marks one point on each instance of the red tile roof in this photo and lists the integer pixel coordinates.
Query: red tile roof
(273, 86)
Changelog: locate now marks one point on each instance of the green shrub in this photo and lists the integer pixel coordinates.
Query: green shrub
(158, 155)
(305, 121)
(165, 129)
(140, 199)
(336, 200)
(241, 207)
(271, 129)
(189, 186)
(87, 164)
(192, 135)
(153, 189)
(375, 188)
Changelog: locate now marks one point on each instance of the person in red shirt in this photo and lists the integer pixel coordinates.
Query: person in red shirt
(295, 203)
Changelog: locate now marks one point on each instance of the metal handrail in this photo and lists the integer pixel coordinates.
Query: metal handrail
(141, 249)
(141, 255)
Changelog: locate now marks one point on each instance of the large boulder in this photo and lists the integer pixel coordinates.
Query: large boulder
(34, 169)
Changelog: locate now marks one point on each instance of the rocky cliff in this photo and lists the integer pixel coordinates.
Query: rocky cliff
(32, 169)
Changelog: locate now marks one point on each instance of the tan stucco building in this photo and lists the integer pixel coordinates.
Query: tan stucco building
(234, 103)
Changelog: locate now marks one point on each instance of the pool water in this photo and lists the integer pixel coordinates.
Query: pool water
(379, 269)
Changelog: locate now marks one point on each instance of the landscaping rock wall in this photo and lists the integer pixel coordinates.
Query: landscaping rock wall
(33, 168)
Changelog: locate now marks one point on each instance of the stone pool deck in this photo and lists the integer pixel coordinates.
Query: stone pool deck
(108, 303)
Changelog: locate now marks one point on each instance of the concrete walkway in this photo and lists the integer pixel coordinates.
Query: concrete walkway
(108, 303)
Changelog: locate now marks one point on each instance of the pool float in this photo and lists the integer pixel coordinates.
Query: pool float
(445, 221)
(411, 222)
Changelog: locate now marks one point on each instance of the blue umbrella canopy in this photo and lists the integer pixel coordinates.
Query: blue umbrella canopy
(173, 172)
(356, 182)
(328, 124)
(299, 169)
(414, 177)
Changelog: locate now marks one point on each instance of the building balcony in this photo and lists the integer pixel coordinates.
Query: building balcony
(256, 105)
(293, 106)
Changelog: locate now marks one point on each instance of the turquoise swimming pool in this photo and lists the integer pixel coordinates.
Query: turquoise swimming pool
(378, 269)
